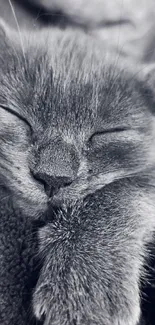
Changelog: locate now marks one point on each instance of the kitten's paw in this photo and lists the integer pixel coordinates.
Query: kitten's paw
(40, 310)
(45, 309)
(41, 302)
(126, 319)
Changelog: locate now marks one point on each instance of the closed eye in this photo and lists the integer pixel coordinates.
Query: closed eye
(11, 111)
(98, 138)
(112, 130)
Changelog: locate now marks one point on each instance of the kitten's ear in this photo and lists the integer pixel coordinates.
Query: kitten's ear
(147, 72)
(146, 76)
(7, 36)
(4, 29)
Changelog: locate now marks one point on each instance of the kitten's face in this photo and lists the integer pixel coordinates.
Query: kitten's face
(71, 120)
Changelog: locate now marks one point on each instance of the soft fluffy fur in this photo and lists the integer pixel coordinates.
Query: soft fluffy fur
(77, 151)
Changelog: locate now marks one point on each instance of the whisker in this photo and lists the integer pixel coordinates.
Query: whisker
(18, 28)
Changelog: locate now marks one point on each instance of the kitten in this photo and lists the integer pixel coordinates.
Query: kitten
(77, 151)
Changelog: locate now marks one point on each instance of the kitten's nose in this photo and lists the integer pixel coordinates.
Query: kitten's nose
(52, 184)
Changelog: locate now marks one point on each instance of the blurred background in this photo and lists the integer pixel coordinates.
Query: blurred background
(126, 25)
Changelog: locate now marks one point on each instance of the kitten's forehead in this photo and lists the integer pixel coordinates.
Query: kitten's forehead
(64, 82)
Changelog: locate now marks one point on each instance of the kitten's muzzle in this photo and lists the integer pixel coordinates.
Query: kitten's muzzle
(52, 184)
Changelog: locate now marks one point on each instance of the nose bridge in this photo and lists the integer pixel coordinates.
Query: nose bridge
(60, 160)
(66, 160)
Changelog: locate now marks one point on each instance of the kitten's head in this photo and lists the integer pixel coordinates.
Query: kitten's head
(72, 118)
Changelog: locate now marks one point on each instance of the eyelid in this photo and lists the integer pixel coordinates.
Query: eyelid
(112, 130)
(11, 111)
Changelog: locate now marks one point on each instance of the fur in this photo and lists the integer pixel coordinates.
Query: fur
(77, 153)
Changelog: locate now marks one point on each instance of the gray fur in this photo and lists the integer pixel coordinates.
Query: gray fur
(87, 118)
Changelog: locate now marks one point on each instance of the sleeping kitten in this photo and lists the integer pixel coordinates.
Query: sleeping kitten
(77, 151)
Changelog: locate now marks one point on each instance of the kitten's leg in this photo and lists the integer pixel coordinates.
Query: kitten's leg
(93, 259)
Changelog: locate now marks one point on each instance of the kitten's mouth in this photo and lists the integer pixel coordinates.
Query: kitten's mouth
(70, 193)
(78, 190)
(52, 191)
(64, 195)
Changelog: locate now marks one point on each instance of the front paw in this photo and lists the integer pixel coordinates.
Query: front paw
(41, 302)
(81, 309)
